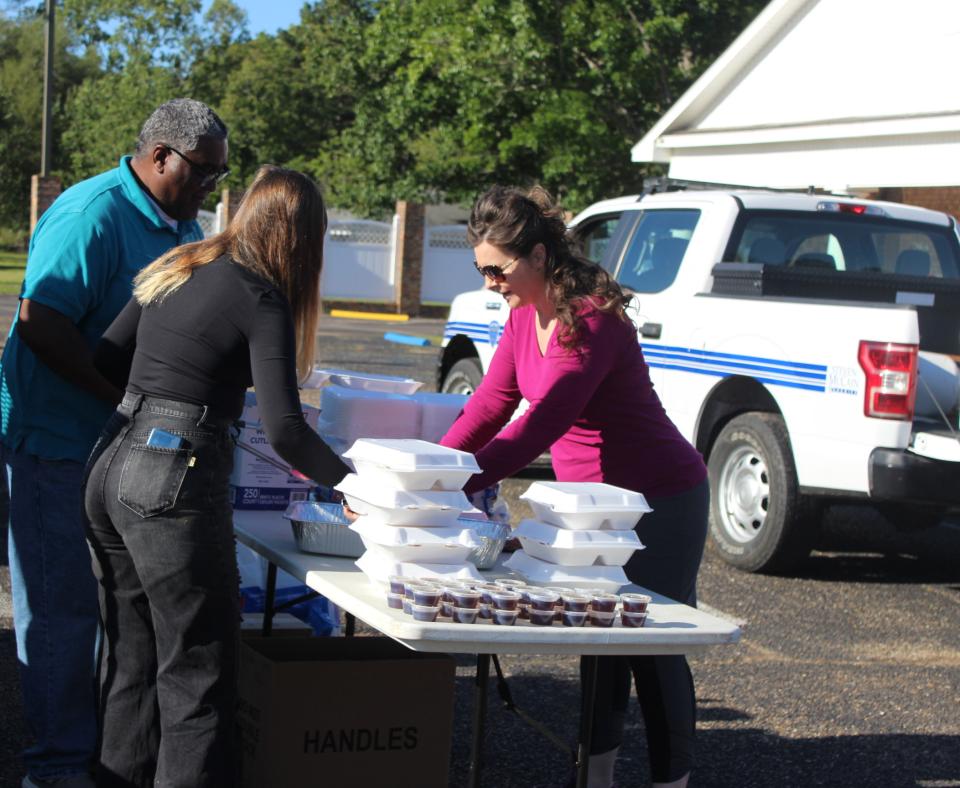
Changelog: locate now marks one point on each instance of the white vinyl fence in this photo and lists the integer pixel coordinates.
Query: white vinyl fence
(447, 264)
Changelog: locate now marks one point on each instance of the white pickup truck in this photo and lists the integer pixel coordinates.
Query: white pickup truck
(806, 344)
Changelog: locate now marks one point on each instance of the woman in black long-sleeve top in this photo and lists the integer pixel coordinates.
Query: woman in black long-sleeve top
(207, 320)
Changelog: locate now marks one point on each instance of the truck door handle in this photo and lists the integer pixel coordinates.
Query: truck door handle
(651, 330)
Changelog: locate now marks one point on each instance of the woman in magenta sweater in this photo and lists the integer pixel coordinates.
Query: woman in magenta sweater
(570, 350)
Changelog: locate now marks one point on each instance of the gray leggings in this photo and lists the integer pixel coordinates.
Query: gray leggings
(674, 535)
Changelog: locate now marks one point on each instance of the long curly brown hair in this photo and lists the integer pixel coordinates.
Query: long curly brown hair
(516, 221)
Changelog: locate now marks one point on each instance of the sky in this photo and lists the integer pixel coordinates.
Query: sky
(268, 16)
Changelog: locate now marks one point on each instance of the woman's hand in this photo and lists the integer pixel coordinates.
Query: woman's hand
(349, 513)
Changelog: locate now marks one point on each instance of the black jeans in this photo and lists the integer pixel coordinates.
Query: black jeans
(161, 536)
(674, 535)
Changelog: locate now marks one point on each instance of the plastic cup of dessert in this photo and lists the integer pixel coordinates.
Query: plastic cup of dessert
(446, 608)
(396, 583)
(464, 615)
(635, 603)
(577, 603)
(409, 585)
(506, 618)
(505, 600)
(543, 599)
(509, 582)
(407, 606)
(429, 596)
(486, 592)
(524, 611)
(542, 618)
(424, 612)
(573, 618)
(604, 602)
(485, 610)
(629, 619)
(395, 600)
(599, 618)
(464, 598)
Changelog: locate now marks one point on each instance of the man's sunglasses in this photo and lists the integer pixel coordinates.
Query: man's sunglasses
(495, 272)
(207, 175)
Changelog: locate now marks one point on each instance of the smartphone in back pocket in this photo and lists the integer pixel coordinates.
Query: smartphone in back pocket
(166, 440)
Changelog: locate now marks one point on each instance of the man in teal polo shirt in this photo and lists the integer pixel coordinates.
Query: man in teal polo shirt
(84, 253)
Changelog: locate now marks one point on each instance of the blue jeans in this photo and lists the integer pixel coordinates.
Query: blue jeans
(161, 531)
(55, 613)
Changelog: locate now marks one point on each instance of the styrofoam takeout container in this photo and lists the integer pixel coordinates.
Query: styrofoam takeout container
(378, 569)
(390, 506)
(533, 570)
(576, 548)
(323, 528)
(349, 414)
(411, 464)
(363, 381)
(586, 505)
(425, 545)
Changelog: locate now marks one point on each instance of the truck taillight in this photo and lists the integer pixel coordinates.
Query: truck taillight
(891, 371)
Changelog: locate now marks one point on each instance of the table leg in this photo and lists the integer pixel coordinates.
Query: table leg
(270, 599)
(588, 692)
(349, 624)
(479, 717)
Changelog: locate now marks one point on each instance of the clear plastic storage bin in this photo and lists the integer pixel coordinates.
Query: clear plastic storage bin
(349, 414)
(585, 505)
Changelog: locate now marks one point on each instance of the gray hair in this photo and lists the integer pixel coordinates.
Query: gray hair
(180, 123)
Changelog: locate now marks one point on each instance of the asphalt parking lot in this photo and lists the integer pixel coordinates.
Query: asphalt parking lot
(848, 672)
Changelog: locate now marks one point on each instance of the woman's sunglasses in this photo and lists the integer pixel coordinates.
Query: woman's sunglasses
(495, 272)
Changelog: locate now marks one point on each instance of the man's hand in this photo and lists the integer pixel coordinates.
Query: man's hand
(57, 343)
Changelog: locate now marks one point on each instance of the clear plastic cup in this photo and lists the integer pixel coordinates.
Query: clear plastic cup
(635, 603)
(600, 618)
(406, 605)
(543, 599)
(486, 611)
(604, 602)
(424, 612)
(425, 596)
(465, 615)
(464, 598)
(634, 620)
(396, 583)
(573, 618)
(395, 601)
(509, 582)
(577, 603)
(505, 618)
(542, 618)
(524, 611)
(446, 608)
(505, 600)
(409, 585)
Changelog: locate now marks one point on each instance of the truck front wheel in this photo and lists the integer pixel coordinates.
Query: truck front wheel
(464, 377)
(759, 522)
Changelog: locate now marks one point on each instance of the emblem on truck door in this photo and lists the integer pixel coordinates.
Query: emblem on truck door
(493, 331)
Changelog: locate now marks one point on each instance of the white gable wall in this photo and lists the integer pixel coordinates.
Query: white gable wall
(842, 94)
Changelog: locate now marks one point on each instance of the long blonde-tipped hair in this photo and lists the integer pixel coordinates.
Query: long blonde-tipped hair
(278, 234)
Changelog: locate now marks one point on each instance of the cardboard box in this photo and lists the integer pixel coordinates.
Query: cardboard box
(343, 711)
(255, 483)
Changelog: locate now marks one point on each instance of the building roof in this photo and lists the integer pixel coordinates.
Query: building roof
(841, 94)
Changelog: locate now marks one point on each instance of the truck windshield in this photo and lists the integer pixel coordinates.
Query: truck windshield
(845, 243)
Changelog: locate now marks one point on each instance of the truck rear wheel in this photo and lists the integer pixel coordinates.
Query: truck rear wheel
(464, 377)
(759, 522)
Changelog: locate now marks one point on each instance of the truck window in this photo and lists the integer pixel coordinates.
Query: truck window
(656, 249)
(854, 243)
(595, 237)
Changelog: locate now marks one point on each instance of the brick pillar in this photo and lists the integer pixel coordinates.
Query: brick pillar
(43, 191)
(409, 259)
(230, 200)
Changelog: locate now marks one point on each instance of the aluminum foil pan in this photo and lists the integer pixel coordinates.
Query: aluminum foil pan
(323, 528)
(492, 536)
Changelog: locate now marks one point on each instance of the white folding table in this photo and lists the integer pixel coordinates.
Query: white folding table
(671, 628)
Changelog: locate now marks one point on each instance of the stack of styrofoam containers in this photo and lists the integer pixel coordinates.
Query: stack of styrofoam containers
(581, 536)
(409, 494)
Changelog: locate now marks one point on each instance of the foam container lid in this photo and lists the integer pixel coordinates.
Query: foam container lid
(378, 568)
(395, 535)
(390, 498)
(533, 570)
(564, 539)
(584, 497)
(409, 455)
